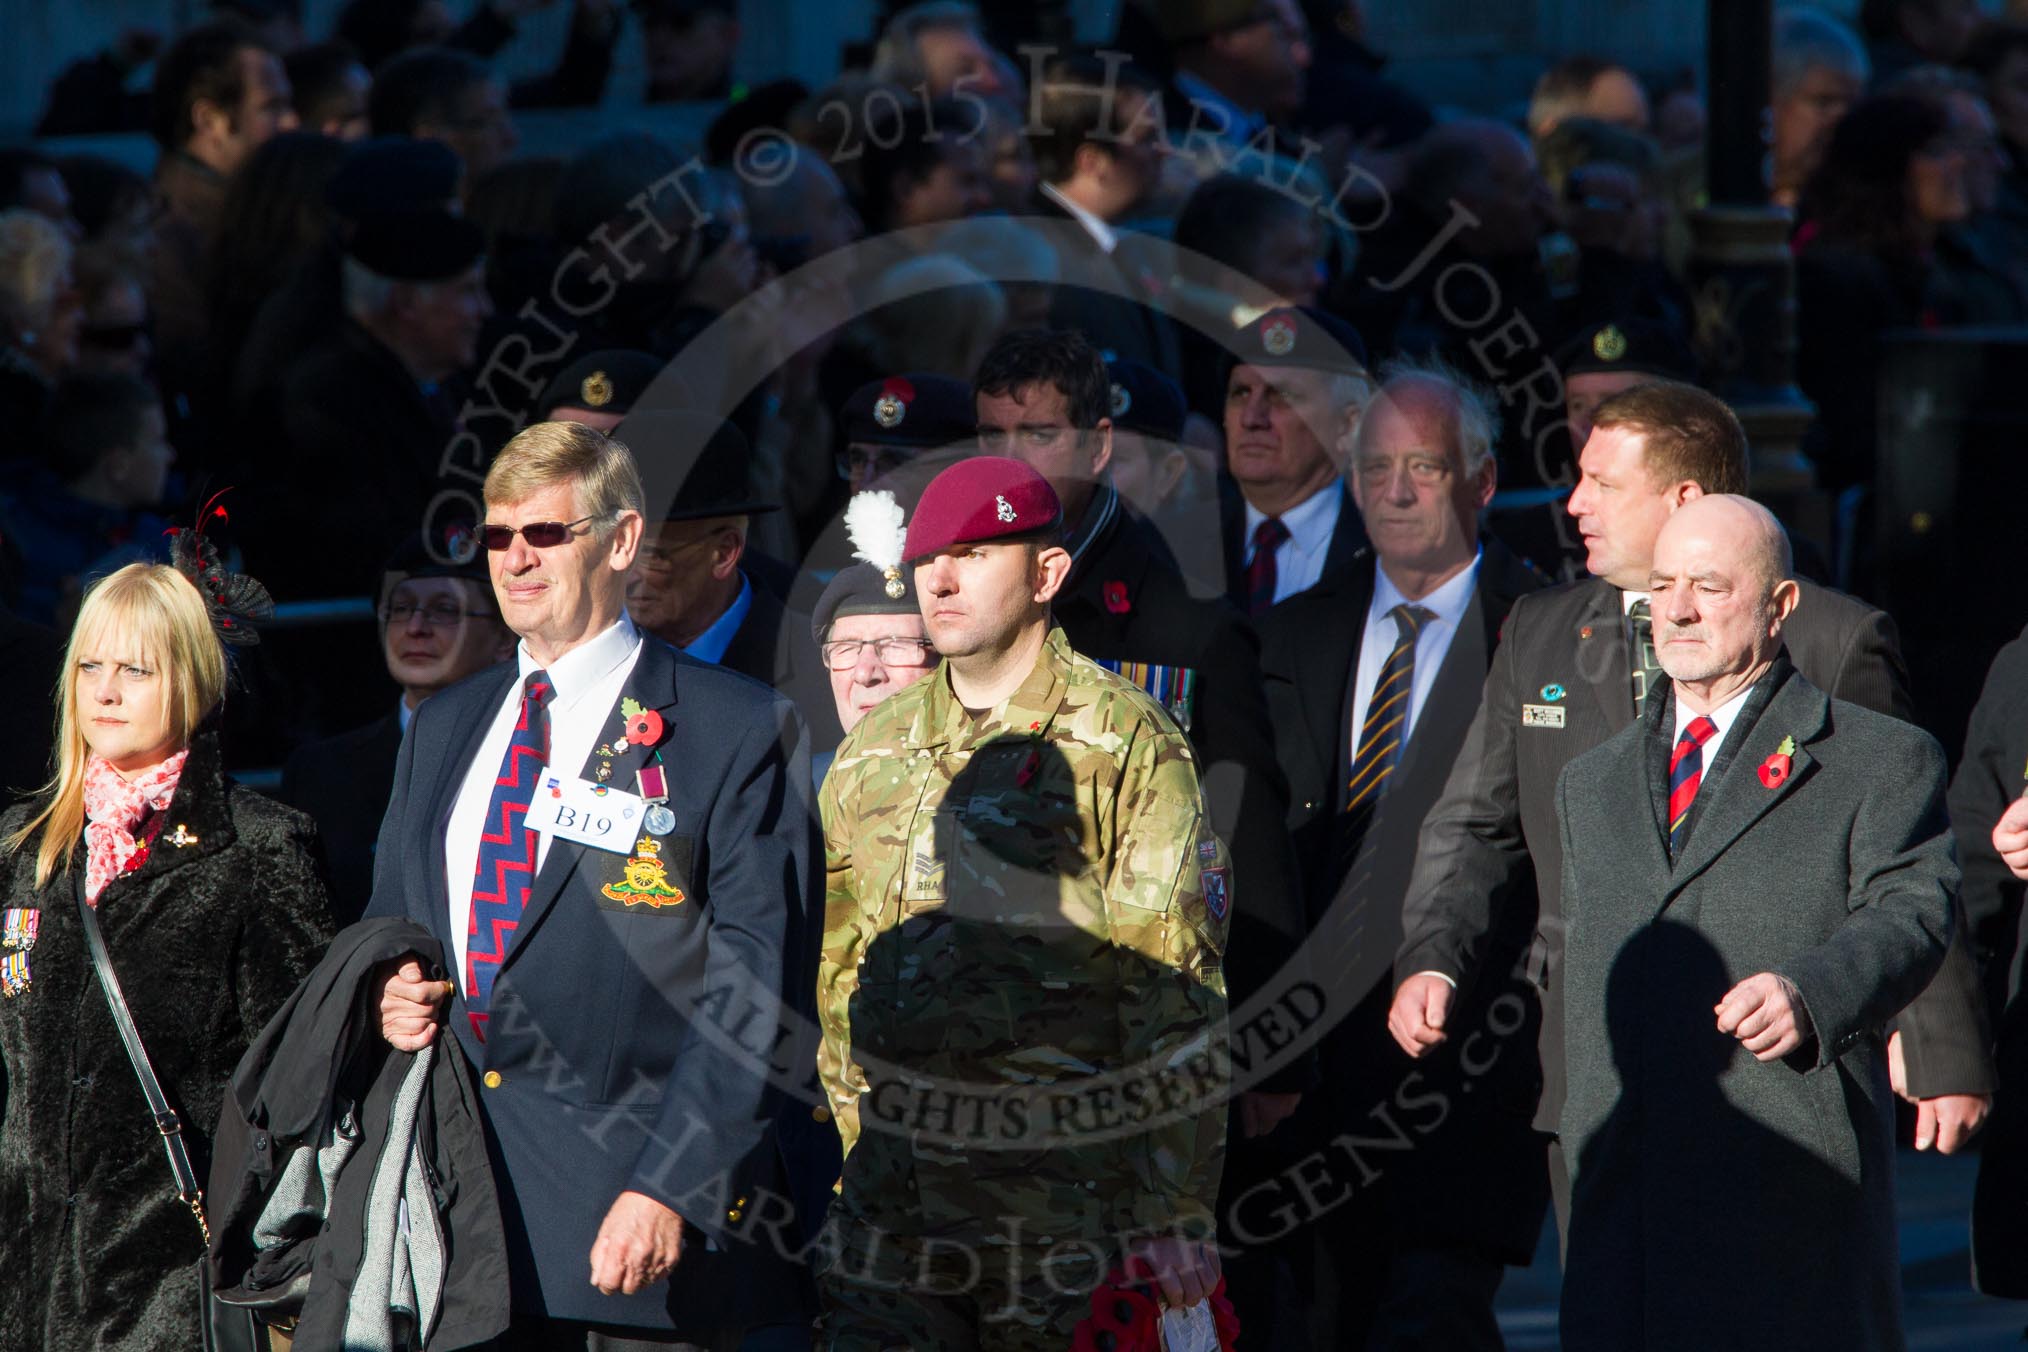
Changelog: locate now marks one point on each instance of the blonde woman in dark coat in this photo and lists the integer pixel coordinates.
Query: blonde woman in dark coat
(212, 910)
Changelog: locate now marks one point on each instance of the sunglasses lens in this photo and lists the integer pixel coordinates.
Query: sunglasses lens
(545, 534)
(496, 538)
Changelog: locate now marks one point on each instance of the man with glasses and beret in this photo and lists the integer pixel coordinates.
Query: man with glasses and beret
(438, 624)
(1025, 906)
(889, 422)
(611, 845)
(867, 623)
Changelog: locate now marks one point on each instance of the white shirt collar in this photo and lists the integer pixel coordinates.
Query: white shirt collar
(1101, 233)
(1310, 522)
(1627, 599)
(1448, 602)
(584, 666)
(1722, 718)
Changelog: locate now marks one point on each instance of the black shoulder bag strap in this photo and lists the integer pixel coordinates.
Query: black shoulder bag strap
(188, 1190)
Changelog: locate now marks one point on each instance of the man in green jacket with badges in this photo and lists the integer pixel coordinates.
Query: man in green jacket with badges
(1021, 990)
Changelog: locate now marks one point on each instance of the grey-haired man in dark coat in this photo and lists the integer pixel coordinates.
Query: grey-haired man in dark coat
(1756, 878)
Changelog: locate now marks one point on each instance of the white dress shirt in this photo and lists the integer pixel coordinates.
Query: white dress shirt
(585, 684)
(1299, 560)
(1447, 603)
(1101, 234)
(1722, 717)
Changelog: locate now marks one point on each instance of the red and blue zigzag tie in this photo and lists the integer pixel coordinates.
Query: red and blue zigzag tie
(1686, 772)
(506, 868)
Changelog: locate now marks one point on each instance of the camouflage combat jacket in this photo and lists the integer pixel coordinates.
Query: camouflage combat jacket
(1021, 990)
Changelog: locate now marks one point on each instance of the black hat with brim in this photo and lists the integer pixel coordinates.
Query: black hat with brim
(692, 466)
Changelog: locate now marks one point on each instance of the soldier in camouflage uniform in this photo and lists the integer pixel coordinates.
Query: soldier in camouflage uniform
(1021, 988)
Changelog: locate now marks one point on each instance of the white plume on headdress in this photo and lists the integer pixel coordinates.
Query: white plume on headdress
(875, 525)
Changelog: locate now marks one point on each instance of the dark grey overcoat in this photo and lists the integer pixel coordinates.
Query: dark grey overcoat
(1717, 1200)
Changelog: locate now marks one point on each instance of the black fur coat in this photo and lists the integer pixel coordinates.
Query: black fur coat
(208, 938)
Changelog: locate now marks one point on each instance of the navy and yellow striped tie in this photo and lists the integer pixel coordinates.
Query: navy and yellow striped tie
(1385, 728)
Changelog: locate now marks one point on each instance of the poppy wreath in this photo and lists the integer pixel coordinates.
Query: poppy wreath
(1126, 1318)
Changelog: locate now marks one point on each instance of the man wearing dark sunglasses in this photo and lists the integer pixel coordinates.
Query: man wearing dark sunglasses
(604, 838)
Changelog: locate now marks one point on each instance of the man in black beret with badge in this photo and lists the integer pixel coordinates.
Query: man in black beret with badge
(1292, 397)
(367, 416)
(868, 624)
(1608, 358)
(599, 388)
(1043, 398)
(889, 422)
(691, 585)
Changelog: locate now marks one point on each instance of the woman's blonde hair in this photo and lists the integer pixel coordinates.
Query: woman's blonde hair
(34, 256)
(147, 613)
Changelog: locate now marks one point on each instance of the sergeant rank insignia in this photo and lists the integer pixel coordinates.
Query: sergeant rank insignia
(646, 881)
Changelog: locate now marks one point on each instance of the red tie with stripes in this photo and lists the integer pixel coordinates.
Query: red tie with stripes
(504, 873)
(1686, 772)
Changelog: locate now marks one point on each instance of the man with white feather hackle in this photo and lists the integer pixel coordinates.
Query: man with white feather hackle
(867, 624)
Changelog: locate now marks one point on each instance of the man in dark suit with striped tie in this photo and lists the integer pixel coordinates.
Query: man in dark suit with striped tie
(1372, 679)
(1573, 667)
(613, 844)
(1292, 398)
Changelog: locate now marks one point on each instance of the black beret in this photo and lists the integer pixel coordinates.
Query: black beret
(1305, 336)
(911, 410)
(417, 246)
(1146, 401)
(1636, 346)
(394, 173)
(692, 466)
(610, 381)
(861, 589)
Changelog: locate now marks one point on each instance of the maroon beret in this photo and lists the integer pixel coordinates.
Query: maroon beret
(982, 498)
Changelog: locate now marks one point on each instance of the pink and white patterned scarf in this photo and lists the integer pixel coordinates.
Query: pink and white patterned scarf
(114, 806)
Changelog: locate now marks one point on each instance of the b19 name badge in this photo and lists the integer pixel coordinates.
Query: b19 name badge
(1541, 716)
(597, 815)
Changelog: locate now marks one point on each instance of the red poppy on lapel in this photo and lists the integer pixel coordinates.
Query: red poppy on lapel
(1117, 600)
(644, 728)
(1774, 771)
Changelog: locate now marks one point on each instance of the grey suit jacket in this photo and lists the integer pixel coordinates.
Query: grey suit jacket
(1497, 813)
(1695, 1168)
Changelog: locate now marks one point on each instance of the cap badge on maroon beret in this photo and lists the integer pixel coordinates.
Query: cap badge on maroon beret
(597, 390)
(1122, 401)
(892, 406)
(1609, 344)
(1278, 336)
(1006, 508)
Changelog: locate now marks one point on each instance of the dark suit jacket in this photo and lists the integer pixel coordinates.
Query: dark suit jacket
(609, 1060)
(1348, 538)
(1476, 1178)
(1107, 297)
(774, 646)
(1152, 618)
(1716, 1198)
(1498, 811)
(343, 782)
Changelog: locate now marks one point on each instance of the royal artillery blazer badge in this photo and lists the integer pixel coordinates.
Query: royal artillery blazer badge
(646, 881)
